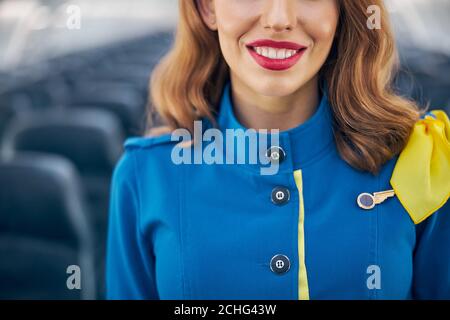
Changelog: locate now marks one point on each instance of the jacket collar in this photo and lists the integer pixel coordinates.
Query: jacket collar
(303, 144)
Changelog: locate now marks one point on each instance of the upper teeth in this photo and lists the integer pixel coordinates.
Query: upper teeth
(273, 53)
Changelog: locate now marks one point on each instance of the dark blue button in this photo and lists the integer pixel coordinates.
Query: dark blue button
(280, 195)
(280, 264)
(276, 154)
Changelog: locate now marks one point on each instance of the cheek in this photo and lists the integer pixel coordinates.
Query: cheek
(325, 30)
(234, 19)
(235, 10)
(320, 24)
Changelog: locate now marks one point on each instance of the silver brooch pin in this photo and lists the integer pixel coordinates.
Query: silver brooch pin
(368, 201)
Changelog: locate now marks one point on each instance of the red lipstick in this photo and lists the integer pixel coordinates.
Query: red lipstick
(276, 55)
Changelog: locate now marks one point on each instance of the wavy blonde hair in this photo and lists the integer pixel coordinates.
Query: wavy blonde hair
(371, 122)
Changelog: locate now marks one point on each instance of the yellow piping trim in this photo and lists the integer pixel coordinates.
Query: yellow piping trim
(303, 289)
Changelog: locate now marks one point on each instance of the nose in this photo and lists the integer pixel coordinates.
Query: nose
(279, 15)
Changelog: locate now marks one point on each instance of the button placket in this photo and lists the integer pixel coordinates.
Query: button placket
(279, 263)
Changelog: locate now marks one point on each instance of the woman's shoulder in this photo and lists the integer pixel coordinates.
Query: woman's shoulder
(421, 175)
(157, 136)
(143, 153)
(147, 142)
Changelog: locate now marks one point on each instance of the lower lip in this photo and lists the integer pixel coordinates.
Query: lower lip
(276, 64)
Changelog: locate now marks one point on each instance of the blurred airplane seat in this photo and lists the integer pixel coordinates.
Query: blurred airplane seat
(425, 77)
(121, 100)
(44, 229)
(91, 139)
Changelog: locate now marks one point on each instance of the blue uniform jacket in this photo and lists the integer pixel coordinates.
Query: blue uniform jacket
(227, 232)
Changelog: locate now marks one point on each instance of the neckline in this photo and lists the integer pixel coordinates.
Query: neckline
(302, 144)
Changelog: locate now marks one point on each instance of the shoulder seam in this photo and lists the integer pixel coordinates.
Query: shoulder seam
(137, 196)
(139, 201)
(147, 142)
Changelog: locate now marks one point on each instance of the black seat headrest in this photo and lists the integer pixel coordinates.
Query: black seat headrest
(41, 197)
(91, 139)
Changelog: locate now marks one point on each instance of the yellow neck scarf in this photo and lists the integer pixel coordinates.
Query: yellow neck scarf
(421, 177)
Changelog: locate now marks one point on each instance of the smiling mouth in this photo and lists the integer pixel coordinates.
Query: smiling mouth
(276, 57)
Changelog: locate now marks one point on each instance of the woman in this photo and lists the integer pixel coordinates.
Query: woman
(356, 206)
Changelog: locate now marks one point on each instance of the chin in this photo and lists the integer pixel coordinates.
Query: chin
(276, 86)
